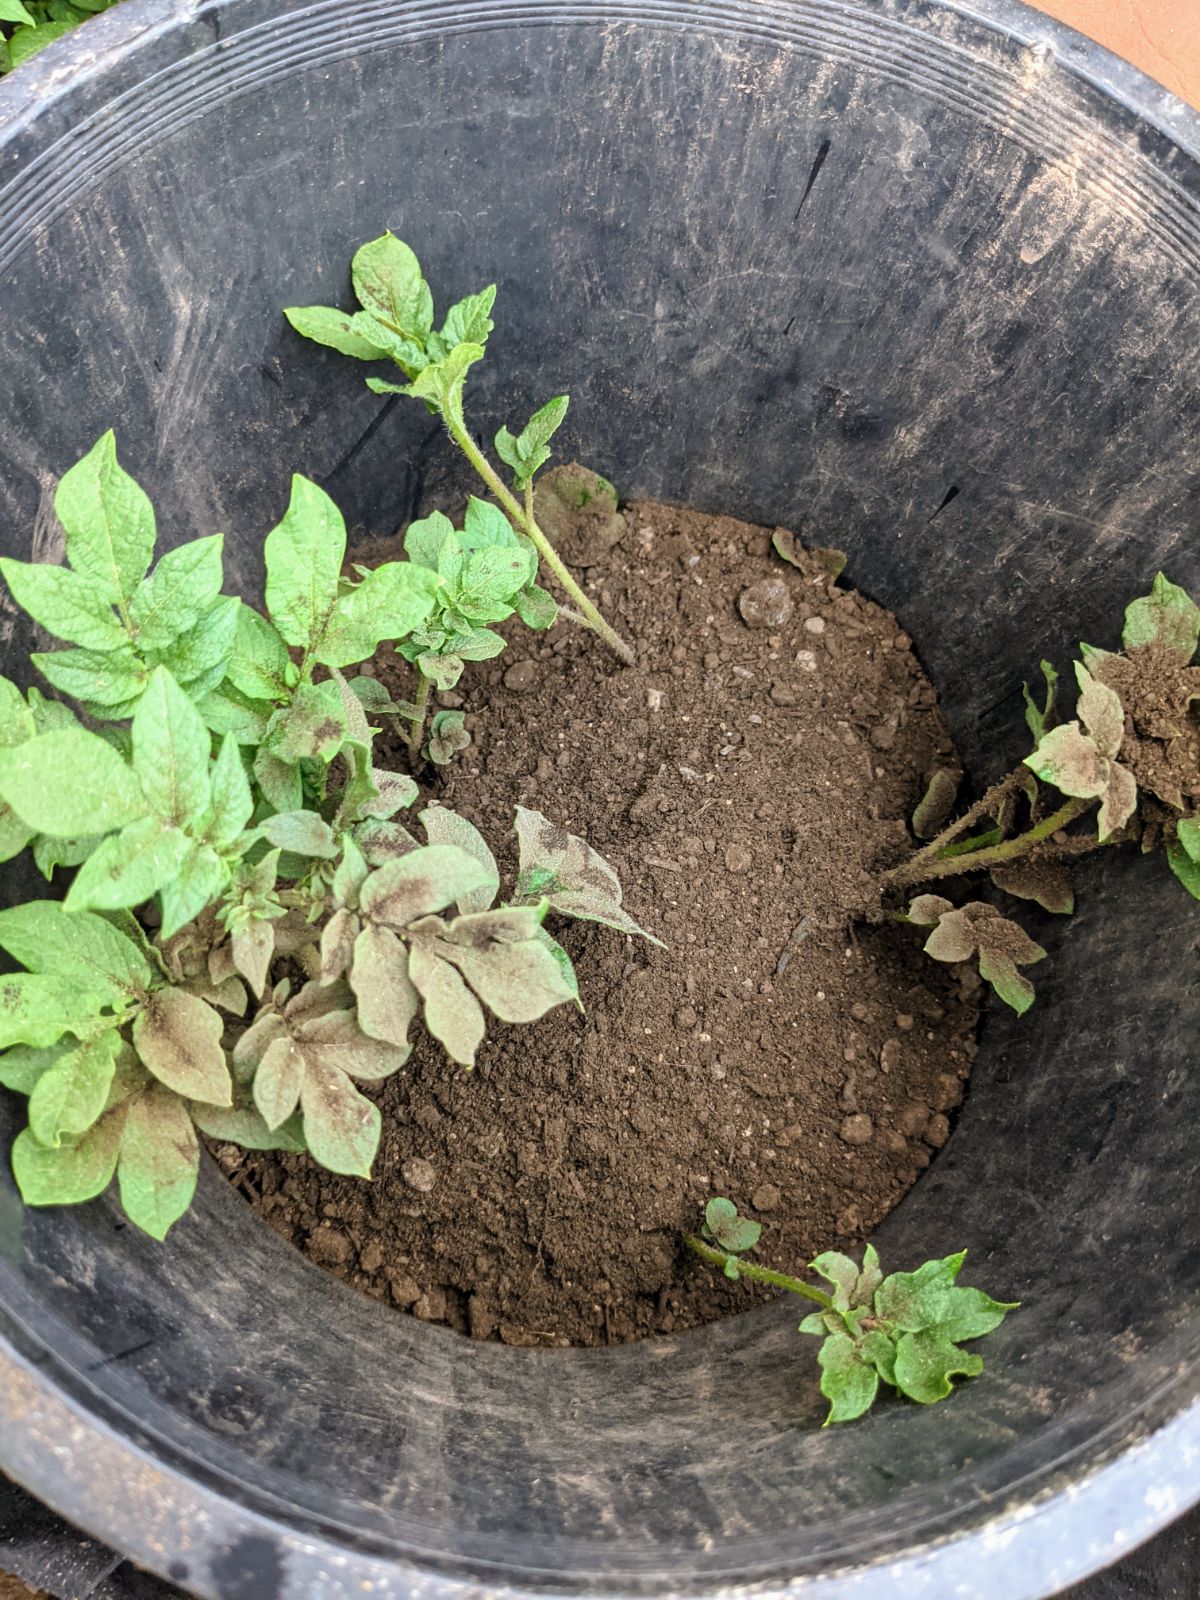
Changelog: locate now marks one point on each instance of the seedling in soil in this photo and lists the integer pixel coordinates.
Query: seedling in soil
(1129, 757)
(396, 324)
(484, 573)
(904, 1330)
(228, 794)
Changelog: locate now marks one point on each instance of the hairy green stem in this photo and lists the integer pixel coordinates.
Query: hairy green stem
(420, 713)
(748, 1269)
(986, 805)
(525, 520)
(921, 870)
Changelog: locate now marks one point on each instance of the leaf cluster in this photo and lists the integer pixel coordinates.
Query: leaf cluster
(485, 573)
(977, 930)
(1125, 751)
(226, 792)
(904, 1330)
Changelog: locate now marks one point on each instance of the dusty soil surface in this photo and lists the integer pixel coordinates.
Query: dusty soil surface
(745, 780)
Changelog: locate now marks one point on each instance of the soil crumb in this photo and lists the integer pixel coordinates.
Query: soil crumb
(744, 780)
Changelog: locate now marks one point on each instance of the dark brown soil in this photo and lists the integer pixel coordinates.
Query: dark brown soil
(744, 781)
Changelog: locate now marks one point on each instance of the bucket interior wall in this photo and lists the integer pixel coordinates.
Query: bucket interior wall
(885, 274)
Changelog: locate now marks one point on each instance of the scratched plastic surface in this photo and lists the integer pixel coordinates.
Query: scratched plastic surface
(913, 279)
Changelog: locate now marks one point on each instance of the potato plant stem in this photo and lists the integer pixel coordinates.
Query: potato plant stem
(749, 1269)
(523, 517)
(420, 711)
(923, 869)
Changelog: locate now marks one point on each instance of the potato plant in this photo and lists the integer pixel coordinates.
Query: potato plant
(395, 323)
(904, 1330)
(1124, 770)
(249, 932)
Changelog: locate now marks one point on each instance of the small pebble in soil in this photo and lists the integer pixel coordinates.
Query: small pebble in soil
(766, 1197)
(738, 858)
(521, 675)
(857, 1129)
(419, 1174)
(766, 604)
(814, 625)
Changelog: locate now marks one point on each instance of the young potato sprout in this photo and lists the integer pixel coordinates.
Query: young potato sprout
(229, 790)
(903, 1330)
(395, 323)
(1129, 757)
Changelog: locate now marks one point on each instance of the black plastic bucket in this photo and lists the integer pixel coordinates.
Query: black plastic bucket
(919, 279)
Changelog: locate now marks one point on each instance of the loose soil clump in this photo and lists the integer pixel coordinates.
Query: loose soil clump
(747, 781)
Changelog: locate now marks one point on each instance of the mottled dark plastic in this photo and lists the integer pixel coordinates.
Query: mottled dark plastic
(918, 279)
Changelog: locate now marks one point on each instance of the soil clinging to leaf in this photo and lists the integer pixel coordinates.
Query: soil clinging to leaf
(744, 780)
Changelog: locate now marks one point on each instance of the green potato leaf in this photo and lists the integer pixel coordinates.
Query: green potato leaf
(171, 748)
(181, 589)
(73, 608)
(327, 326)
(128, 867)
(304, 554)
(109, 522)
(70, 783)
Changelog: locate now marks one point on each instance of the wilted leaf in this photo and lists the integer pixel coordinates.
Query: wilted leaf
(447, 737)
(341, 1127)
(253, 947)
(1039, 721)
(576, 880)
(1185, 868)
(1099, 709)
(1068, 759)
(936, 804)
(727, 1229)
(847, 1381)
(452, 1013)
(424, 880)
(387, 1001)
(443, 826)
(1119, 802)
(927, 908)
(278, 1080)
(1046, 882)
(178, 1038)
(312, 727)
